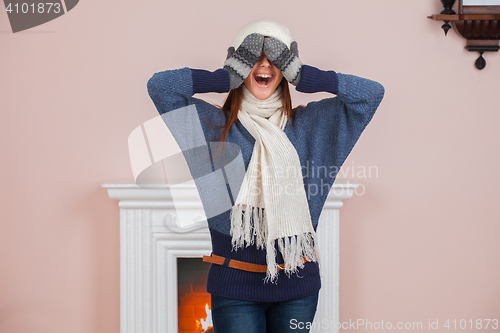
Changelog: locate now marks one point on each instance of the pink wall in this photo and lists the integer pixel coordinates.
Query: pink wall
(422, 241)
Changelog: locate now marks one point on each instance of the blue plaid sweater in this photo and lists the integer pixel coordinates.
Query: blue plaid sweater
(323, 133)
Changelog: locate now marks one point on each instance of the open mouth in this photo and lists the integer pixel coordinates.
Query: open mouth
(263, 80)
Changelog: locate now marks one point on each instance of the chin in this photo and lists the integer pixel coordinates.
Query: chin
(262, 94)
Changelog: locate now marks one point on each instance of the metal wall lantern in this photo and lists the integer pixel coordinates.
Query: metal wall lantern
(478, 21)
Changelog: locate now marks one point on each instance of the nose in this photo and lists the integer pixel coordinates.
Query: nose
(264, 62)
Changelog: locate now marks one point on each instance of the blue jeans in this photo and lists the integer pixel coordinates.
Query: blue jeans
(235, 316)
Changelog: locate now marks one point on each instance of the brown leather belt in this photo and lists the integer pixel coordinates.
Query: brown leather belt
(244, 266)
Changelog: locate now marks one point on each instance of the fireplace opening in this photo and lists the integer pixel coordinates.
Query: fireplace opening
(193, 301)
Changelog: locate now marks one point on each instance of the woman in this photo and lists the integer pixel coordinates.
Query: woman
(264, 275)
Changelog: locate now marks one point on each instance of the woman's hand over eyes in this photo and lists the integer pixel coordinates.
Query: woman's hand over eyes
(287, 60)
(240, 63)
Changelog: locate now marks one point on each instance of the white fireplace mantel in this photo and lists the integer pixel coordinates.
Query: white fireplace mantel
(151, 240)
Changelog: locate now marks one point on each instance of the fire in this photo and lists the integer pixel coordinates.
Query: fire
(206, 324)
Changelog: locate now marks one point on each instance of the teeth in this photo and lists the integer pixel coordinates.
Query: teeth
(264, 76)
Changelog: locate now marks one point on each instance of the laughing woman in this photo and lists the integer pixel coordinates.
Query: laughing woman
(265, 273)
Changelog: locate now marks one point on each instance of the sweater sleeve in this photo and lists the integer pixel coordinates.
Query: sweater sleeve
(195, 124)
(335, 124)
(173, 89)
(315, 80)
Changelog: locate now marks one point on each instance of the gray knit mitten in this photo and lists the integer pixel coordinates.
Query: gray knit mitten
(285, 59)
(240, 63)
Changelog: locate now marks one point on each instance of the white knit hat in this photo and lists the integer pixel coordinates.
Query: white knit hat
(267, 28)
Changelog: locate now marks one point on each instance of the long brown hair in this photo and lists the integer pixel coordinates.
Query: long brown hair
(232, 106)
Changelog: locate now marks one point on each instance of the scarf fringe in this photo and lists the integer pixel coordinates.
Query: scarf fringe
(292, 249)
(249, 227)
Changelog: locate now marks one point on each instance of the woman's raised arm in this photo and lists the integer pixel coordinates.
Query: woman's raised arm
(358, 94)
(337, 123)
(173, 89)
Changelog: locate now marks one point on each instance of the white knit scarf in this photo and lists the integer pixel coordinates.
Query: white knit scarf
(272, 204)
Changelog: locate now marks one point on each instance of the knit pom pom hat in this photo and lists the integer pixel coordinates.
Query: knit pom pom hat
(268, 28)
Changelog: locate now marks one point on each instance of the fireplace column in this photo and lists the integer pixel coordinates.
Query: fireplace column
(151, 240)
